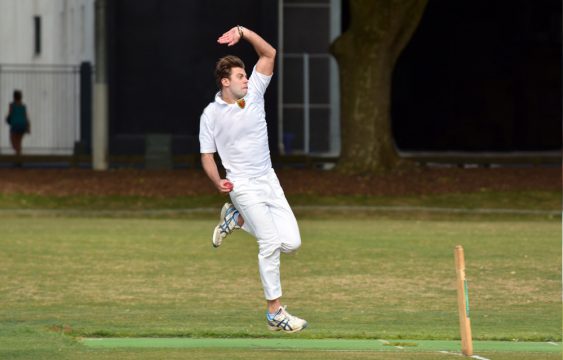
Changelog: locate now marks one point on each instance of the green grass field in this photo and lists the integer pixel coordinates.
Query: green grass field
(379, 276)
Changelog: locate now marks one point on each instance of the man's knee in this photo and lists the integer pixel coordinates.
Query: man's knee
(267, 249)
(292, 246)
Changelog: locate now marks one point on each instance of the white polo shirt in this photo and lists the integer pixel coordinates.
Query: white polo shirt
(239, 135)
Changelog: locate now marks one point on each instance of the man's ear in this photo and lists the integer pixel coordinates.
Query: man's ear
(225, 82)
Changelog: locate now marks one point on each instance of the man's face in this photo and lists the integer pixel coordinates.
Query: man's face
(238, 82)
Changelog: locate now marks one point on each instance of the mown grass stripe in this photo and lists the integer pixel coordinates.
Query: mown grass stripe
(320, 344)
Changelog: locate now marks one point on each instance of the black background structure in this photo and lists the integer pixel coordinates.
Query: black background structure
(481, 75)
(478, 75)
(162, 57)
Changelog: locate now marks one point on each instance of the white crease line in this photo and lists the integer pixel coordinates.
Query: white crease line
(553, 343)
(459, 354)
(479, 357)
(449, 353)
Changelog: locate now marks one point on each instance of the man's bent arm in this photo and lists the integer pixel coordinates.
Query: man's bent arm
(266, 52)
(210, 168)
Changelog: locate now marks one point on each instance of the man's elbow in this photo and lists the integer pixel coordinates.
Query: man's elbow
(269, 53)
(206, 156)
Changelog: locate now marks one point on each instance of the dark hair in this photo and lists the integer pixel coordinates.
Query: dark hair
(224, 66)
(17, 95)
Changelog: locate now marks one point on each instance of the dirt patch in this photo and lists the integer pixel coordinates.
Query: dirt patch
(295, 182)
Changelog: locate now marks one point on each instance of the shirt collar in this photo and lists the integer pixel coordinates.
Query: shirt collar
(219, 99)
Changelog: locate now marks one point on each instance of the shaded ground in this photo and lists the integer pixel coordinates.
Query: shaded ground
(294, 182)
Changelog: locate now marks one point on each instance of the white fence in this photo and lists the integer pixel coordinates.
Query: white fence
(52, 96)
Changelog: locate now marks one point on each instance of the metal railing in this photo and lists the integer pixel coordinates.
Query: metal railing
(52, 96)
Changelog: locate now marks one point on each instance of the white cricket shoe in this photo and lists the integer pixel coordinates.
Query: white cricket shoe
(284, 321)
(227, 224)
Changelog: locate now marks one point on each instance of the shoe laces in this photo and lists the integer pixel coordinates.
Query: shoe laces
(229, 224)
(285, 313)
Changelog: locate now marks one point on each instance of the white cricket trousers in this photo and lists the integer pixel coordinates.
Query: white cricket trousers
(268, 217)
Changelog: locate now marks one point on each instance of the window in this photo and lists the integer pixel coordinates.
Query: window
(308, 93)
(37, 35)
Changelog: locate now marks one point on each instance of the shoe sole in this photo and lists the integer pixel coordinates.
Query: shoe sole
(213, 237)
(275, 328)
(224, 209)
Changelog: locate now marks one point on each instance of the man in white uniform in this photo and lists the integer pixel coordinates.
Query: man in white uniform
(234, 125)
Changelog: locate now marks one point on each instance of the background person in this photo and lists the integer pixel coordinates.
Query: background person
(19, 122)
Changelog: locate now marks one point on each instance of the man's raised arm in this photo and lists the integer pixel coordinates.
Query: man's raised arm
(266, 52)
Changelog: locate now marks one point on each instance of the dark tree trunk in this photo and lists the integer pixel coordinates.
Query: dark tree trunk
(366, 55)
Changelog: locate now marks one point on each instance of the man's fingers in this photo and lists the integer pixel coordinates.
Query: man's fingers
(226, 41)
(224, 38)
(229, 42)
(228, 38)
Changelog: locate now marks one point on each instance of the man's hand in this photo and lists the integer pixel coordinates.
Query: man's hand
(224, 186)
(231, 37)
(266, 53)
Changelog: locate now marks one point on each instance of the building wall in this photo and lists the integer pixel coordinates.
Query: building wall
(67, 31)
(47, 75)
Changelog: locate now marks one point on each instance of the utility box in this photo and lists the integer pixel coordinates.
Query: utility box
(158, 151)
